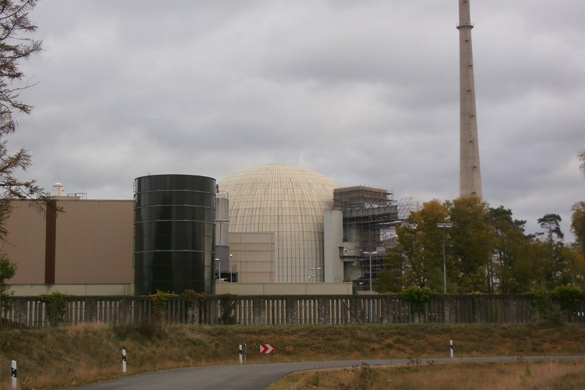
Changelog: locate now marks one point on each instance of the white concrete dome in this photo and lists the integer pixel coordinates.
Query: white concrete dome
(290, 202)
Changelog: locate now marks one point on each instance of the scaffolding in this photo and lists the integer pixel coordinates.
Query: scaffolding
(369, 217)
(407, 205)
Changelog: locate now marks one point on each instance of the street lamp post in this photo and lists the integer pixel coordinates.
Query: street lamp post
(219, 273)
(371, 291)
(231, 269)
(444, 226)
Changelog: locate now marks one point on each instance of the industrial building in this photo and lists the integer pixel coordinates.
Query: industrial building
(288, 201)
(274, 228)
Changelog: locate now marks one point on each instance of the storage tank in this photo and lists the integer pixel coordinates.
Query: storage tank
(174, 233)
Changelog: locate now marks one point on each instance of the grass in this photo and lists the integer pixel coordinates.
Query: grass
(502, 376)
(57, 358)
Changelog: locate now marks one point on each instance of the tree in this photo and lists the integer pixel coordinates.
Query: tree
(555, 264)
(7, 271)
(552, 224)
(416, 260)
(578, 224)
(404, 256)
(473, 243)
(512, 264)
(15, 46)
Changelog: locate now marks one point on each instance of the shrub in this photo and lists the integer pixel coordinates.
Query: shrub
(55, 305)
(160, 302)
(569, 297)
(547, 311)
(192, 296)
(418, 297)
(228, 303)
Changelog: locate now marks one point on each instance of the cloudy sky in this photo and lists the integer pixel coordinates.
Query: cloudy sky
(364, 92)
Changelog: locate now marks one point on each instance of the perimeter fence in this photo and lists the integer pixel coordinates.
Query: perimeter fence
(283, 310)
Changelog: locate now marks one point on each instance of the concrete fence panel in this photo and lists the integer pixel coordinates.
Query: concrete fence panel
(278, 310)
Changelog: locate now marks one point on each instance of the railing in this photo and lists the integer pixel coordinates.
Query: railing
(279, 310)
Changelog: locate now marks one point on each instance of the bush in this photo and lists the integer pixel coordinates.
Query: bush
(569, 297)
(7, 271)
(418, 297)
(547, 311)
(160, 302)
(228, 303)
(192, 297)
(55, 306)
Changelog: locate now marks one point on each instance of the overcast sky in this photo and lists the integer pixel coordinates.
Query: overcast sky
(363, 91)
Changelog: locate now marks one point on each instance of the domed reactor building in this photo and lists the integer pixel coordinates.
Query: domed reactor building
(287, 202)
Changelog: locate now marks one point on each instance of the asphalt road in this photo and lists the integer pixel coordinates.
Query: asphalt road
(260, 376)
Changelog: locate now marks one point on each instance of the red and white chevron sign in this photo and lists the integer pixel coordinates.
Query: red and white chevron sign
(266, 348)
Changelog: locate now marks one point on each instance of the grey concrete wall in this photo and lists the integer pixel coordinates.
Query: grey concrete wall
(279, 310)
(333, 240)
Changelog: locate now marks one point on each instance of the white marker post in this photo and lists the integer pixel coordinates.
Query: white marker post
(14, 383)
(451, 347)
(124, 361)
(240, 353)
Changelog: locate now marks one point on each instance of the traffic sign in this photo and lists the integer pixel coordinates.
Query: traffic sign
(266, 348)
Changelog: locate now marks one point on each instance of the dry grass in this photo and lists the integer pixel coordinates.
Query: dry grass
(504, 376)
(70, 356)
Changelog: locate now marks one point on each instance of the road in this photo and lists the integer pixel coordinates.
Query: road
(260, 376)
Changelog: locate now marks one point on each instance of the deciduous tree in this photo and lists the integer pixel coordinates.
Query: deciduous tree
(417, 258)
(473, 243)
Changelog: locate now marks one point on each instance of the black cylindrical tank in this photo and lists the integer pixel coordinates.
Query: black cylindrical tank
(174, 233)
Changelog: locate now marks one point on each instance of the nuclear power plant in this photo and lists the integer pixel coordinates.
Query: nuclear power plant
(273, 229)
(278, 229)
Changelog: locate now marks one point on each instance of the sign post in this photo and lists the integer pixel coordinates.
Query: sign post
(124, 361)
(266, 349)
(13, 374)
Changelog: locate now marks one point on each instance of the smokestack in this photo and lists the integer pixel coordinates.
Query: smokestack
(469, 170)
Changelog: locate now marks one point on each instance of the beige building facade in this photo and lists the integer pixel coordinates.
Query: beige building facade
(252, 257)
(85, 243)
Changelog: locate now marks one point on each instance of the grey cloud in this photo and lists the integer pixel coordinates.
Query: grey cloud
(363, 92)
